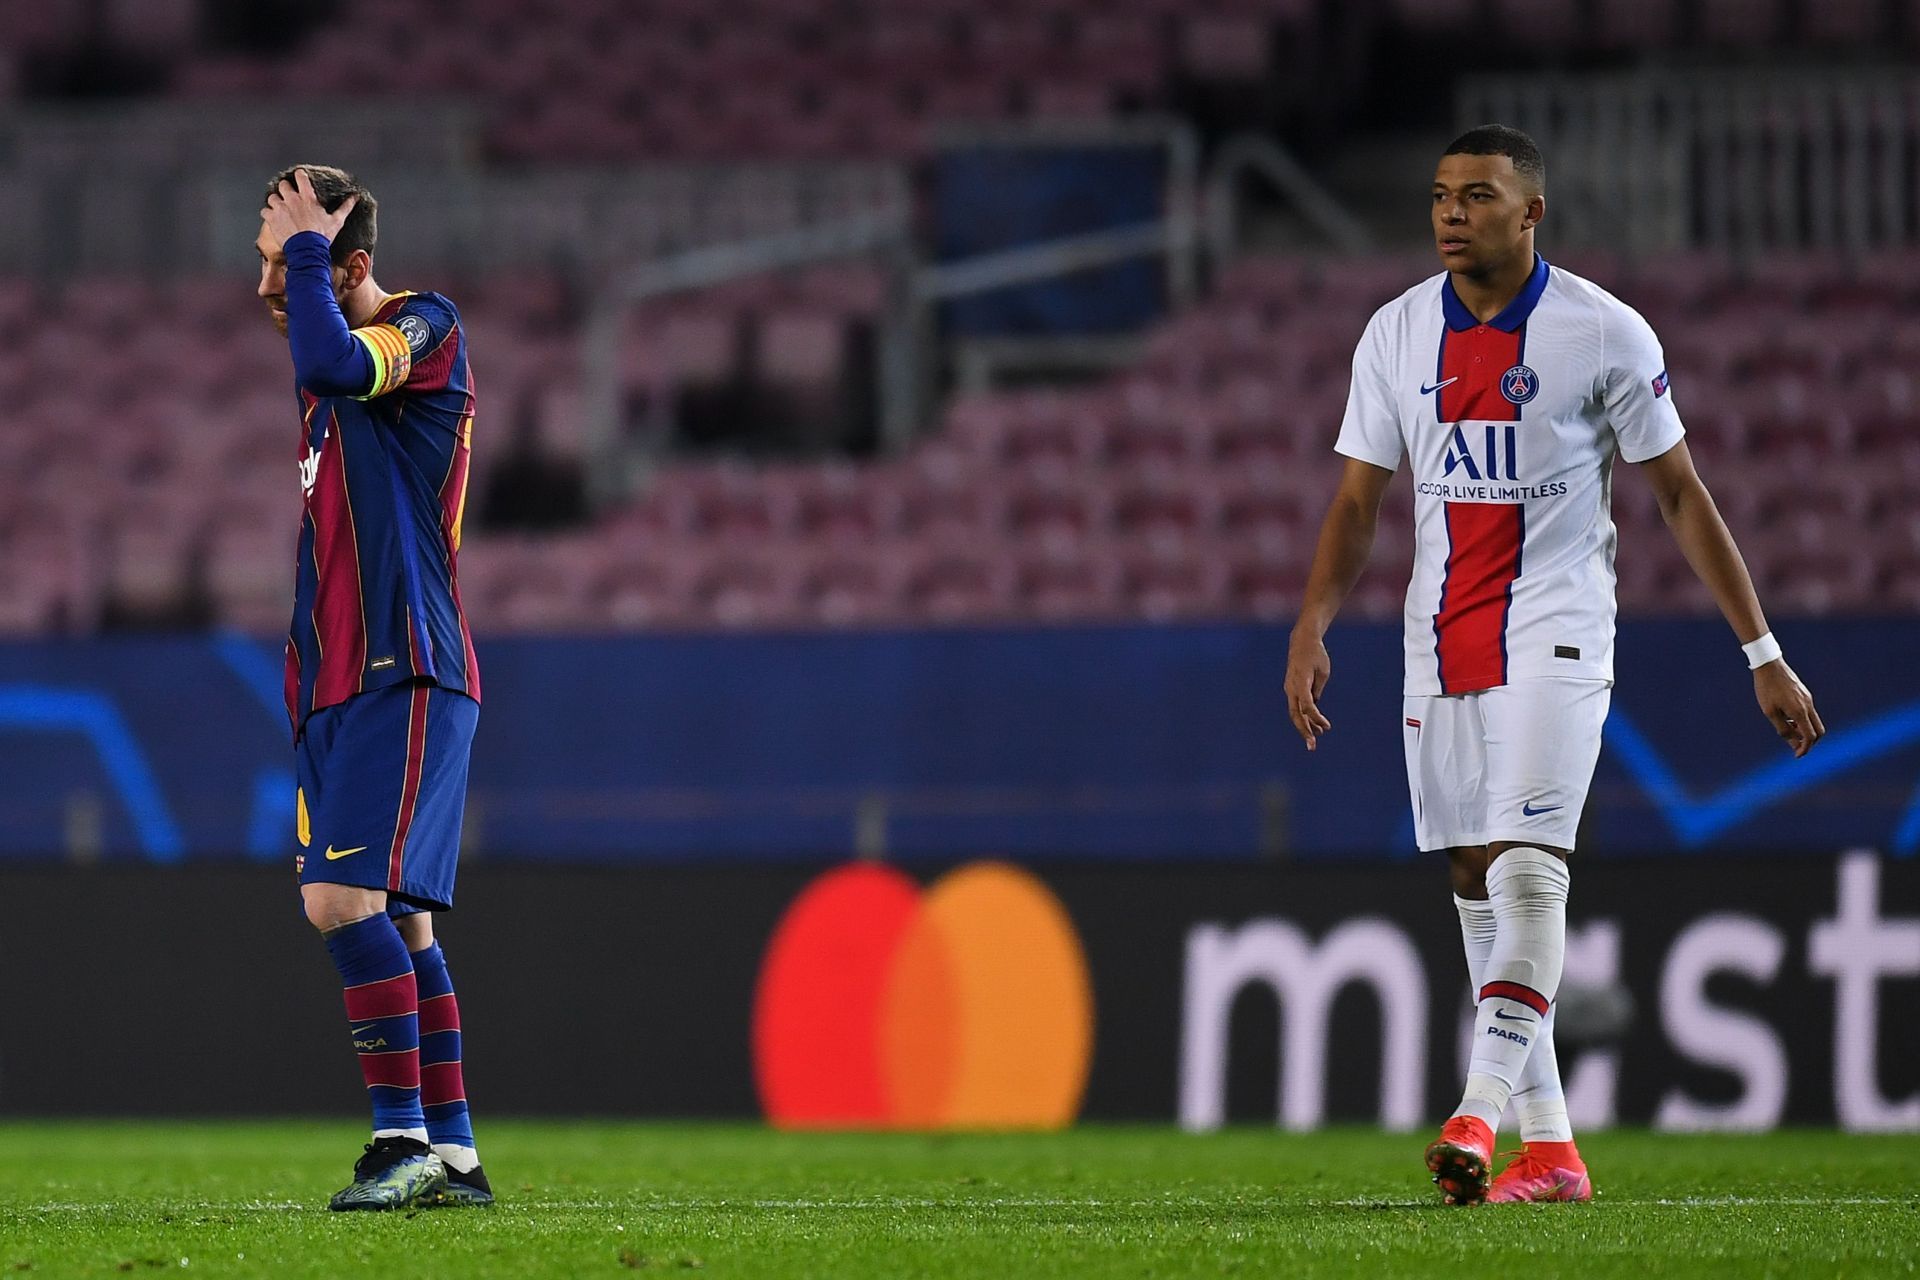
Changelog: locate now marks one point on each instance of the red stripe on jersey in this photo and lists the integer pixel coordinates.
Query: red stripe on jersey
(399, 1070)
(441, 1013)
(410, 787)
(434, 370)
(1475, 358)
(441, 1082)
(291, 683)
(1476, 594)
(453, 512)
(386, 998)
(1515, 991)
(338, 616)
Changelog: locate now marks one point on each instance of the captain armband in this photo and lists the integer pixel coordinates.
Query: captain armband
(392, 358)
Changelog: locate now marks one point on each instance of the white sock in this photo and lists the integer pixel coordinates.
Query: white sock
(418, 1135)
(458, 1159)
(1540, 1100)
(1527, 889)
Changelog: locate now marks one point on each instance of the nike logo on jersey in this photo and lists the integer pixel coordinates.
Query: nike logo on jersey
(334, 855)
(1528, 810)
(360, 1031)
(1427, 391)
(1510, 1017)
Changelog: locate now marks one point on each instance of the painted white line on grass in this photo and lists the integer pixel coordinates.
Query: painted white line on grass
(1721, 1202)
(809, 1205)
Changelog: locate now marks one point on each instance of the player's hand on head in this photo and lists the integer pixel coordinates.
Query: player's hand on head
(1786, 703)
(293, 207)
(1308, 669)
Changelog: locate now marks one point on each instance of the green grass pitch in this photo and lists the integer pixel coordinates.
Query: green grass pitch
(586, 1199)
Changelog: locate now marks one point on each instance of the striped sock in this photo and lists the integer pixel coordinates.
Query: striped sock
(443, 1089)
(383, 1012)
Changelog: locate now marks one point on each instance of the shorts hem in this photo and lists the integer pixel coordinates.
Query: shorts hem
(1546, 839)
(421, 901)
(1462, 842)
(415, 895)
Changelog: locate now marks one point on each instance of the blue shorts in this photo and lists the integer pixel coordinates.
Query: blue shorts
(383, 786)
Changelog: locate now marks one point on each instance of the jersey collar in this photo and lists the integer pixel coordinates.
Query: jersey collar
(1516, 313)
(384, 312)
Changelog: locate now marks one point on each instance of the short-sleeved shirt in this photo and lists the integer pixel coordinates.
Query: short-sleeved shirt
(1511, 428)
(377, 597)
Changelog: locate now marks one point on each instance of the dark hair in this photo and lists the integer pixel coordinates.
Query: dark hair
(333, 186)
(1503, 140)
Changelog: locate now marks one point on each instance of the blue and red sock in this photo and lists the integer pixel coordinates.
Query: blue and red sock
(383, 1013)
(443, 1089)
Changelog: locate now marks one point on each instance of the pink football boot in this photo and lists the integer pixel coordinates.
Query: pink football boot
(1543, 1171)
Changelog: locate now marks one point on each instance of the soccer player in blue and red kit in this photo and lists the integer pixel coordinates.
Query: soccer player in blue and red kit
(381, 681)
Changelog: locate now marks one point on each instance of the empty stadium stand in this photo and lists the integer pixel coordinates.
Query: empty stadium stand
(160, 486)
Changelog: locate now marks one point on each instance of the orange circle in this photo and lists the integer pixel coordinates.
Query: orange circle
(1016, 996)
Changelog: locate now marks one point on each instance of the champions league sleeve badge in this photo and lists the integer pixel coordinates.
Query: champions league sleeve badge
(415, 331)
(1519, 384)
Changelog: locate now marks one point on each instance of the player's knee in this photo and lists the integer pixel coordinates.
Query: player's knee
(1467, 867)
(416, 930)
(331, 906)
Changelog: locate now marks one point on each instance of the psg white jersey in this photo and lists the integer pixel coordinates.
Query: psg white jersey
(1511, 427)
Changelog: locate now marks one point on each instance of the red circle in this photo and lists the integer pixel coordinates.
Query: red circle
(816, 1013)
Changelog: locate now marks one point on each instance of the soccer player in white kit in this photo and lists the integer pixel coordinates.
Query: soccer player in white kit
(1510, 386)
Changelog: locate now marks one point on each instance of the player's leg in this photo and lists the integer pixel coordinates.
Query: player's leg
(1543, 742)
(357, 780)
(422, 877)
(1540, 1101)
(1446, 776)
(1467, 870)
(443, 1090)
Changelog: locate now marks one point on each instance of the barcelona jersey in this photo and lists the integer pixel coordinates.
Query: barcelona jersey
(384, 469)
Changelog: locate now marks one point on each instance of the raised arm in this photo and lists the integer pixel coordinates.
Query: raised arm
(1346, 539)
(1695, 521)
(327, 357)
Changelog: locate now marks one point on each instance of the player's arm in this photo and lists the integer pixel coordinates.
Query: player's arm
(1708, 545)
(1346, 539)
(329, 358)
(1371, 444)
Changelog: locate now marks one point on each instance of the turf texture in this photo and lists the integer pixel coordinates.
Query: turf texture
(225, 1199)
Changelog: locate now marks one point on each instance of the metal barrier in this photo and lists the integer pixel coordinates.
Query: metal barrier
(1252, 155)
(175, 187)
(1740, 162)
(908, 356)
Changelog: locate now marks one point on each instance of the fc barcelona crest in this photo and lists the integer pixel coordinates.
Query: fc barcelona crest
(1519, 384)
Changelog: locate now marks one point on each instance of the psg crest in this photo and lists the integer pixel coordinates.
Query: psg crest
(1519, 384)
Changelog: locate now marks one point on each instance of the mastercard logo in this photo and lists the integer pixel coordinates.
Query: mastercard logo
(966, 1006)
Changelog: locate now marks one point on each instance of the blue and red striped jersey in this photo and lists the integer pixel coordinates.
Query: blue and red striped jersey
(384, 468)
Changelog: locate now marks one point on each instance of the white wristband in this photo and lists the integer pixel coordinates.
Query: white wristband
(1762, 651)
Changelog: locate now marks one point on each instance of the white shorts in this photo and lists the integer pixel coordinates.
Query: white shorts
(1512, 763)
